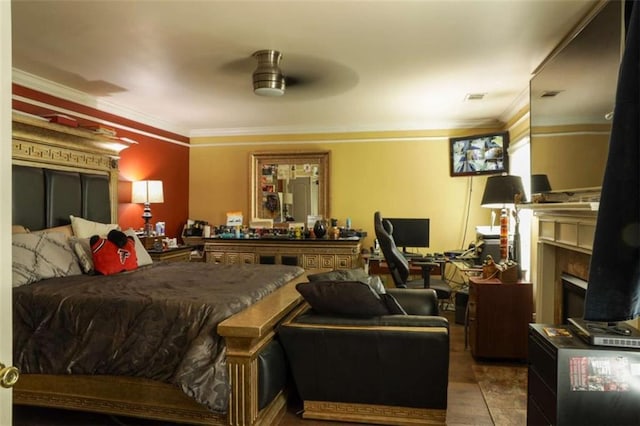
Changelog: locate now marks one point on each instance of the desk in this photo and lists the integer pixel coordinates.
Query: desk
(378, 266)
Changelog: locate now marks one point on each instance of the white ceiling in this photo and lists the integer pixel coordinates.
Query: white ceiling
(362, 65)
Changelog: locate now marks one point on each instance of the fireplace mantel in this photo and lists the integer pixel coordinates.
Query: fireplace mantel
(570, 226)
(589, 207)
(563, 237)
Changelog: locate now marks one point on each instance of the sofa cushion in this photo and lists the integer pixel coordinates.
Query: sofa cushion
(347, 298)
(355, 274)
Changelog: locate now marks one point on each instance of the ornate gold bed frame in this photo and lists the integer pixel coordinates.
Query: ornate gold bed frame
(245, 333)
(40, 143)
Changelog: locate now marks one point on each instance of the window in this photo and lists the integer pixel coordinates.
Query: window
(520, 165)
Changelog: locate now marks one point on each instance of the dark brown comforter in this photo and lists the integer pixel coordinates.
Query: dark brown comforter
(158, 322)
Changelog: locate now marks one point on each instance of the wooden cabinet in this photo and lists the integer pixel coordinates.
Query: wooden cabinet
(308, 254)
(177, 254)
(498, 318)
(572, 383)
(151, 242)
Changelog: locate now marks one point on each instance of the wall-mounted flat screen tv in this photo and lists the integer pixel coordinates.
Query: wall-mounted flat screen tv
(479, 154)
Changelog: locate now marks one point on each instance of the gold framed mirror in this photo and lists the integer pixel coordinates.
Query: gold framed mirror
(289, 186)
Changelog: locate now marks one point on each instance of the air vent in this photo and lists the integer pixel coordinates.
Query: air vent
(550, 93)
(474, 96)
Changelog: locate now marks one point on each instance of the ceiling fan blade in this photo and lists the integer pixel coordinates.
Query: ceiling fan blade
(239, 66)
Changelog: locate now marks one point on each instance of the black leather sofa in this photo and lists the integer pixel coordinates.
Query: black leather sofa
(387, 369)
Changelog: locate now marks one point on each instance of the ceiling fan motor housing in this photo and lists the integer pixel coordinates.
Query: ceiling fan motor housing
(268, 79)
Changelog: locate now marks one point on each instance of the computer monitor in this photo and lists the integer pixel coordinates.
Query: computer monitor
(410, 232)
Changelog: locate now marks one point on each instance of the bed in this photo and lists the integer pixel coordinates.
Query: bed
(212, 357)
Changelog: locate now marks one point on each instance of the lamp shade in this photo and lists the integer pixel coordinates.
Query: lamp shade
(540, 184)
(501, 191)
(147, 191)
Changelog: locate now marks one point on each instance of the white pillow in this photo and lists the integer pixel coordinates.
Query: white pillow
(83, 228)
(39, 256)
(144, 258)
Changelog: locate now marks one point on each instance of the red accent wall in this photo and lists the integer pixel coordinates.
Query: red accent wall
(152, 158)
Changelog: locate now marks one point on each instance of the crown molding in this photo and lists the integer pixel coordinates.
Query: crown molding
(516, 107)
(58, 90)
(301, 130)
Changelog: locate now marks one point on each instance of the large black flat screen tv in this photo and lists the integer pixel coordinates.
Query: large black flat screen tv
(408, 233)
(479, 154)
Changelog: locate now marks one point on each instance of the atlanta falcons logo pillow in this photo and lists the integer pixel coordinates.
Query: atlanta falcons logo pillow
(114, 254)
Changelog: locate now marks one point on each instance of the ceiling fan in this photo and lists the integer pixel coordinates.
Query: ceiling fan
(308, 77)
(268, 79)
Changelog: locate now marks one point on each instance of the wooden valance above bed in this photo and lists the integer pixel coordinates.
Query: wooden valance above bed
(81, 162)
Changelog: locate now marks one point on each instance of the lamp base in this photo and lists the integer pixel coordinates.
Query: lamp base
(146, 215)
(148, 229)
(504, 236)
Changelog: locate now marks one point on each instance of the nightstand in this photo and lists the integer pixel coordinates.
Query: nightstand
(498, 317)
(149, 242)
(175, 254)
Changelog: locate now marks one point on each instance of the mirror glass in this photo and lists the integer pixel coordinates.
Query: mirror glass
(289, 186)
(572, 100)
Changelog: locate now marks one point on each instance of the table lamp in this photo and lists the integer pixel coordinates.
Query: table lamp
(505, 192)
(147, 192)
(539, 186)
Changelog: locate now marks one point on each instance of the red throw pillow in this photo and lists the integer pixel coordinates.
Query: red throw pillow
(109, 259)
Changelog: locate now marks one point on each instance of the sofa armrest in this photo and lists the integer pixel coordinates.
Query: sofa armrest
(422, 301)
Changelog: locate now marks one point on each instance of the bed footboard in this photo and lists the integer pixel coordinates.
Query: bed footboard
(246, 334)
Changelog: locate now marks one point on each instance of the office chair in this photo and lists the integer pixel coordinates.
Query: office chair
(399, 266)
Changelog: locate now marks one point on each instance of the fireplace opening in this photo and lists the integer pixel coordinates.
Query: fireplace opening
(574, 291)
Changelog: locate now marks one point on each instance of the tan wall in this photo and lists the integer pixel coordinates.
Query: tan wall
(570, 159)
(400, 177)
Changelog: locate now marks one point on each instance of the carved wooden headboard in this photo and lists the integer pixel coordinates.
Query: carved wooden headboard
(60, 171)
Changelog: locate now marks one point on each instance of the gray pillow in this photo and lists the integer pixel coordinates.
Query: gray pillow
(36, 257)
(346, 298)
(82, 248)
(376, 283)
(355, 274)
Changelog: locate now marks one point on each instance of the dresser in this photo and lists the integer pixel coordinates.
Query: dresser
(498, 317)
(307, 253)
(573, 383)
